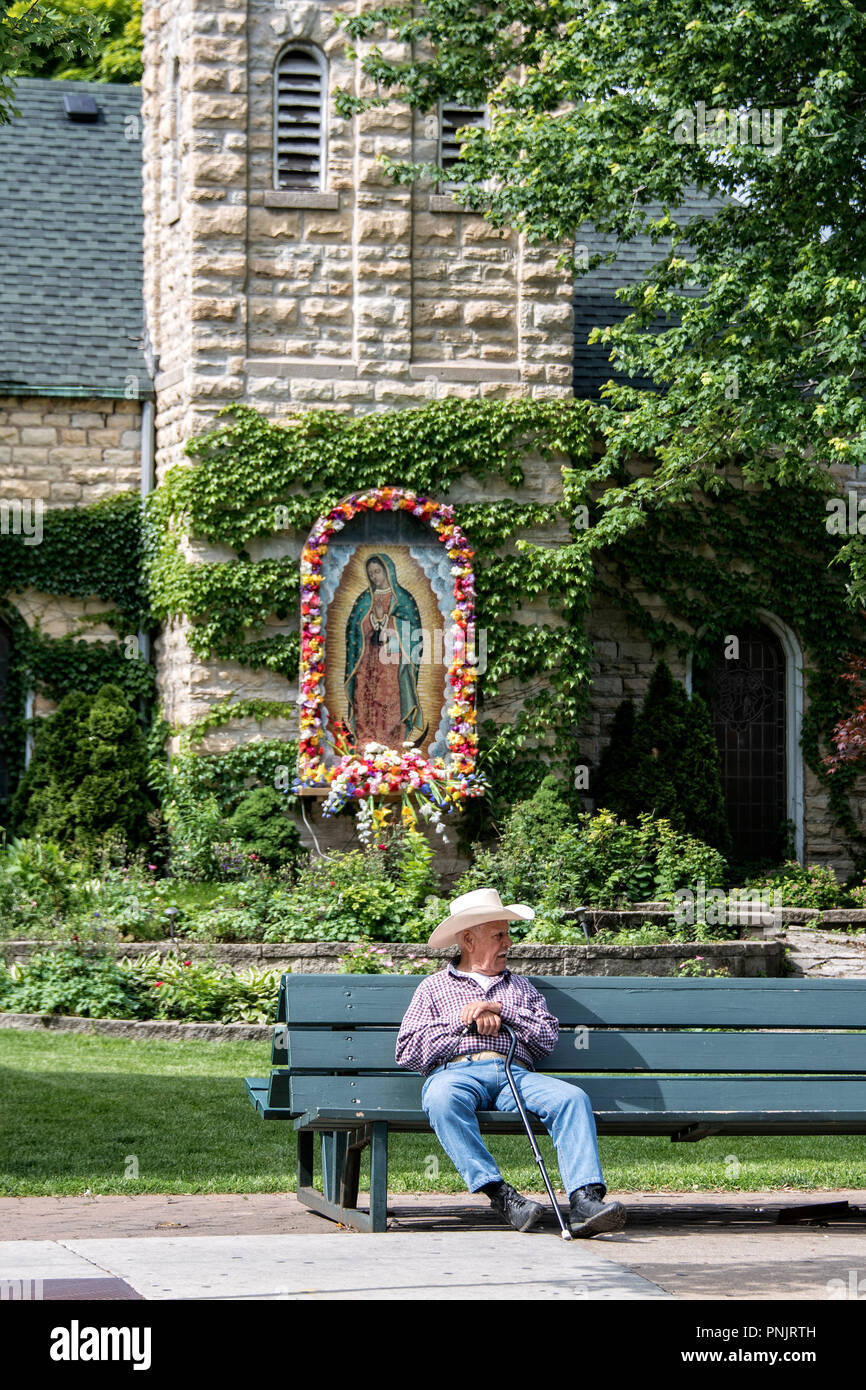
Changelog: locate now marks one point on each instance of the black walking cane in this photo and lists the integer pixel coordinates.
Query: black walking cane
(472, 1028)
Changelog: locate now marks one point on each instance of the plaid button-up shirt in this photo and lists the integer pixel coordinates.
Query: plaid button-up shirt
(432, 1030)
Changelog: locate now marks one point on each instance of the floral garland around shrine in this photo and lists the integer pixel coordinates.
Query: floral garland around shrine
(378, 770)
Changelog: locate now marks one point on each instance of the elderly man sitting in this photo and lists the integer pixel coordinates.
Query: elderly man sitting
(466, 1072)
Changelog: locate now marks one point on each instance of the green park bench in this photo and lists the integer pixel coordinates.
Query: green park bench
(686, 1058)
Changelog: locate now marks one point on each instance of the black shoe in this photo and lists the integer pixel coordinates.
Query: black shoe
(588, 1214)
(519, 1211)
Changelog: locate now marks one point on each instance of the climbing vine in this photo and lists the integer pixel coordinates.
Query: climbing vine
(255, 480)
(716, 561)
(83, 552)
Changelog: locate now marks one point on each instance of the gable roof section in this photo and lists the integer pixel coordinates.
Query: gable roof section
(595, 301)
(71, 306)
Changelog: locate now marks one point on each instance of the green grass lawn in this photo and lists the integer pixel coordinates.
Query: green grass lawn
(77, 1109)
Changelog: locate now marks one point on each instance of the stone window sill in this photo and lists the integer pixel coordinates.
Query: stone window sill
(300, 198)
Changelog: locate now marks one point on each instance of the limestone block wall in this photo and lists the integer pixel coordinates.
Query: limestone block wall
(364, 295)
(66, 451)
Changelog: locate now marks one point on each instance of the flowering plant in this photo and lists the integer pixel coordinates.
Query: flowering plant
(433, 782)
(366, 959)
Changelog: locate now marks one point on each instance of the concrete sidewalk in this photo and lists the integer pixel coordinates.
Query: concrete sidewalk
(438, 1247)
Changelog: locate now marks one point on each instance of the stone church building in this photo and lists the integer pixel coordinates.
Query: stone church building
(219, 236)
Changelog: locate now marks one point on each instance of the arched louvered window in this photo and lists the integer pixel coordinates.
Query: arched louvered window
(300, 96)
(452, 117)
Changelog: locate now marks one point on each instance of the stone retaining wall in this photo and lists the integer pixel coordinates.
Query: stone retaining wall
(167, 1030)
(740, 958)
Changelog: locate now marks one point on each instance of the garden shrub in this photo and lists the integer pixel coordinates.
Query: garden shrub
(596, 861)
(802, 886)
(377, 893)
(259, 823)
(196, 825)
(665, 761)
(342, 898)
(518, 866)
(184, 989)
(38, 886)
(92, 984)
(87, 776)
(73, 981)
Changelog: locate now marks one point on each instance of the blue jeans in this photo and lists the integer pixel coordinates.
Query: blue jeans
(452, 1094)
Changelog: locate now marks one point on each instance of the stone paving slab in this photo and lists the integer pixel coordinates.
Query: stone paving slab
(692, 1245)
(45, 1259)
(451, 1267)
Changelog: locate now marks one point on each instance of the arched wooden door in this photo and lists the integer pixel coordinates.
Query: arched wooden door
(746, 697)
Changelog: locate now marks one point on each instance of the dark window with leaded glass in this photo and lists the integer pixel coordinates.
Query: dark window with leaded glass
(746, 697)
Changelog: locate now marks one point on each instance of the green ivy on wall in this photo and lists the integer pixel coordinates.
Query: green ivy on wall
(255, 479)
(84, 552)
(715, 562)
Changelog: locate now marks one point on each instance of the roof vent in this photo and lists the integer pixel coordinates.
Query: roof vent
(79, 107)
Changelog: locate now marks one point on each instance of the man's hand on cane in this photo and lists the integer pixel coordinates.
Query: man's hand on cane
(486, 1015)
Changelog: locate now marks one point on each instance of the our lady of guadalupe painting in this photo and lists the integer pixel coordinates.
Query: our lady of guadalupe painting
(386, 598)
(384, 643)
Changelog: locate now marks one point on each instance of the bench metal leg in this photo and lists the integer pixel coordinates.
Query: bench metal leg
(357, 1142)
(305, 1159)
(379, 1176)
(333, 1153)
(340, 1203)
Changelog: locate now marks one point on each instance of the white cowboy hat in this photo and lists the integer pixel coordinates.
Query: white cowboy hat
(481, 905)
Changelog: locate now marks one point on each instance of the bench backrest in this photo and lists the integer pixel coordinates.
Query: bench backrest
(349, 1023)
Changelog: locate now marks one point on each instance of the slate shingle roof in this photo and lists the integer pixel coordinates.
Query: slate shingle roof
(595, 301)
(71, 308)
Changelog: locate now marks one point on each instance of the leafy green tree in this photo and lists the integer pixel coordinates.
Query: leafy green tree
(116, 56)
(606, 116)
(28, 31)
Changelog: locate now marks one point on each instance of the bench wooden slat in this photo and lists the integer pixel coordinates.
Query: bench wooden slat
(658, 1124)
(776, 1097)
(353, 1001)
(257, 1090)
(373, 1050)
